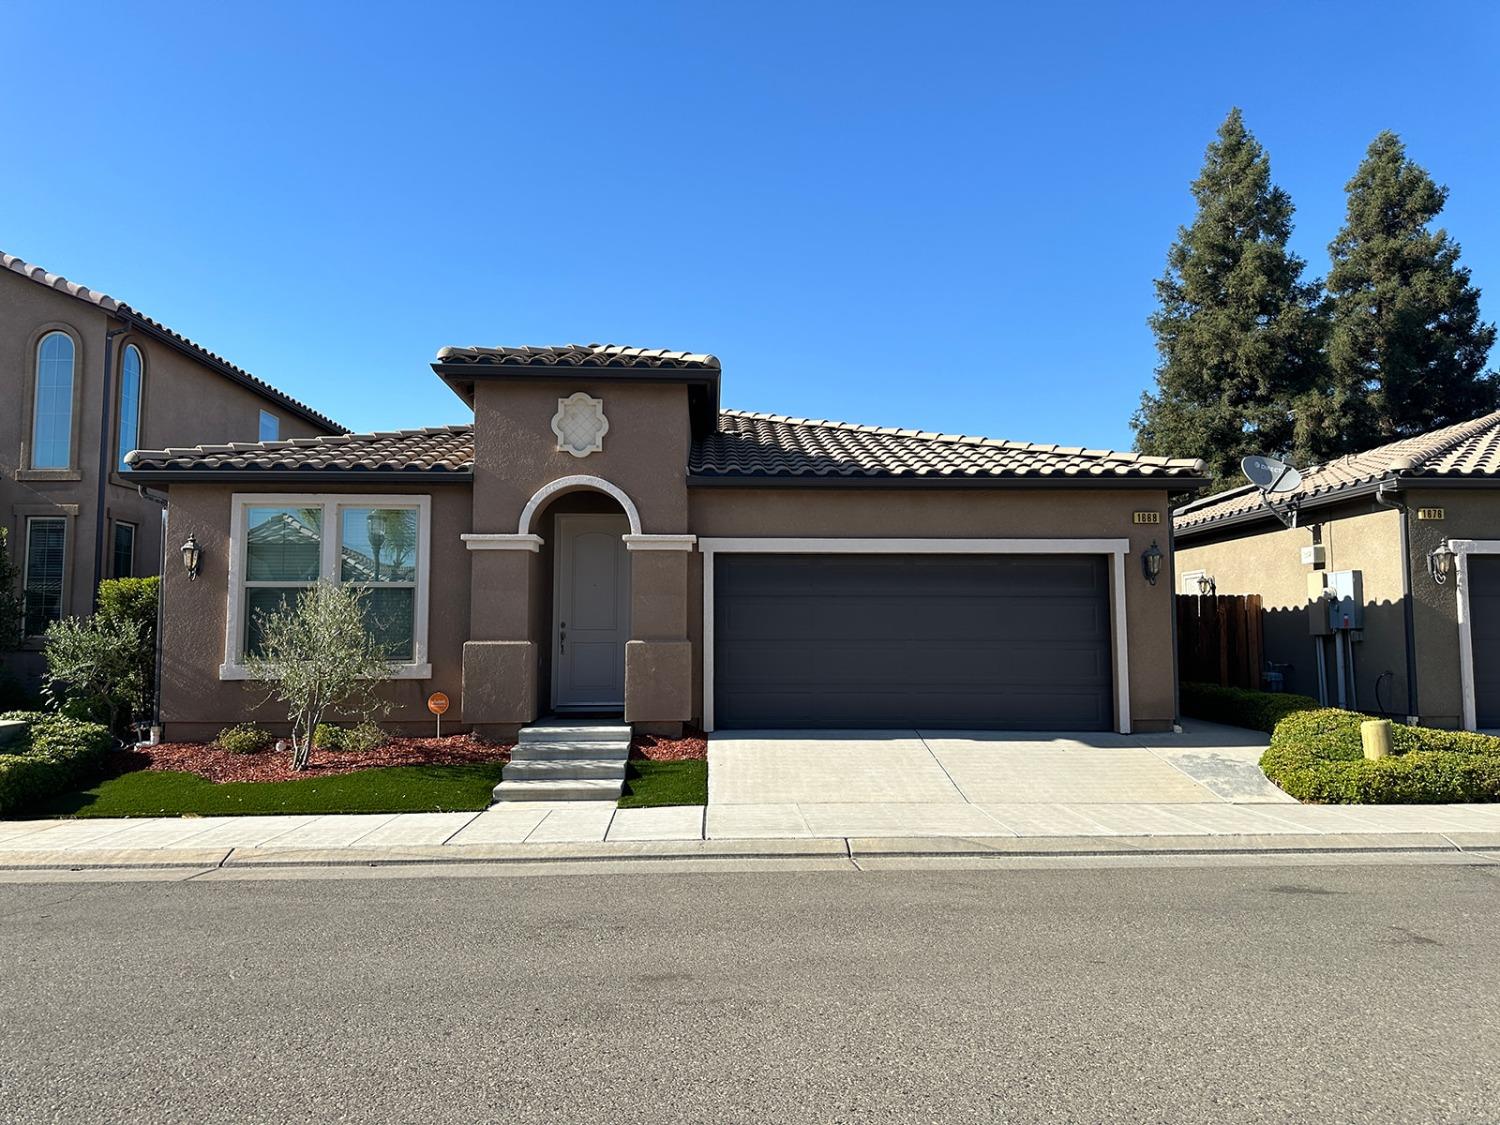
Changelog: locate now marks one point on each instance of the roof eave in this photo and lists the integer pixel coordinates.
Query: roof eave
(765, 480)
(299, 476)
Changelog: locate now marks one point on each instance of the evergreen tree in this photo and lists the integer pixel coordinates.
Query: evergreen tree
(1239, 332)
(1407, 348)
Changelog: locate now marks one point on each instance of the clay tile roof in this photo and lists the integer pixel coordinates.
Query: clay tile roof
(1465, 450)
(154, 327)
(578, 355)
(440, 450)
(759, 446)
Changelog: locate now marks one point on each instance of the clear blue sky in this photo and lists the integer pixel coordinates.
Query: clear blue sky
(941, 215)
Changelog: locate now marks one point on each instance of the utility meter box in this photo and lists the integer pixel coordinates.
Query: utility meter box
(1316, 555)
(1319, 619)
(1346, 599)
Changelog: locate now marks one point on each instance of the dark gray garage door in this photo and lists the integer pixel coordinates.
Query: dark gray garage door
(1484, 605)
(1003, 642)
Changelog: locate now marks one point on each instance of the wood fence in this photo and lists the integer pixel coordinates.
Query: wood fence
(1219, 640)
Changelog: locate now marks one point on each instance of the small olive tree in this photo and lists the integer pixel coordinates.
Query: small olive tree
(317, 654)
(99, 668)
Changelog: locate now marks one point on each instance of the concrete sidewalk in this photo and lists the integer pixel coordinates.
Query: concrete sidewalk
(523, 826)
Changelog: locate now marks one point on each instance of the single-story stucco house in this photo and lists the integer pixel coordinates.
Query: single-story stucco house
(1420, 520)
(603, 538)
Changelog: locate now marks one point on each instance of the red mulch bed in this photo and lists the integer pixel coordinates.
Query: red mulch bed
(219, 765)
(692, 746)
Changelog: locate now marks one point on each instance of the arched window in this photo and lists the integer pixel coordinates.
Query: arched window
(130, 402)
(52, 417)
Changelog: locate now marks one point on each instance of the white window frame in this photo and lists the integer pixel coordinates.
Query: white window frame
(419, 667)
(1117, 549)
(36, 402)
(1462, 549)
(261, 426)
(62, 594)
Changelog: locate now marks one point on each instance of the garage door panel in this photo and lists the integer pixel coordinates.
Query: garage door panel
(1019, 642)
(1484, 610)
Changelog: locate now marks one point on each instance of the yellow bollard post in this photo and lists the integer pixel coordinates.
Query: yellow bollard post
(1375, 734)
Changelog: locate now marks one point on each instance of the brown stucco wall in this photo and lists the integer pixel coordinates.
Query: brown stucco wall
(183, 403)
(196, 703)
(966, 513)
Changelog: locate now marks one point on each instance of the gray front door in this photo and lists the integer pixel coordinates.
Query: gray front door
(1002, 642)
(1484, 626)
(591, 612)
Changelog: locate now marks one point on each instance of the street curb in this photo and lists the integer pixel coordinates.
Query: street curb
(852, 849)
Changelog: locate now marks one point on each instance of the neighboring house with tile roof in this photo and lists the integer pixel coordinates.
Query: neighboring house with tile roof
(605, 538)
(1428, 650)
(89, 378)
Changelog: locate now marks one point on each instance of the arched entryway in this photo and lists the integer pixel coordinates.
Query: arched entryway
(585, 581)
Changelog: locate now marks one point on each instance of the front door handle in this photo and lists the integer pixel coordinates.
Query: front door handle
(562, 639)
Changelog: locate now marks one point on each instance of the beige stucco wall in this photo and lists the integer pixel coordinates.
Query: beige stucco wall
(196, 703)
(1361, 536)
(1468, 514)
(183, 403)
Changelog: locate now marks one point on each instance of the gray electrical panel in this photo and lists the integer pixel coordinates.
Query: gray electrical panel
(1346, 600)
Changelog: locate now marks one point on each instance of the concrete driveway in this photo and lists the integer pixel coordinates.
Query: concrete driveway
(975, 783)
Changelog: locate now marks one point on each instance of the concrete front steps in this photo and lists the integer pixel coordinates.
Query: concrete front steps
(567, 760)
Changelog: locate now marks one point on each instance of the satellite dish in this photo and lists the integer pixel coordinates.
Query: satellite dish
(1270, 475)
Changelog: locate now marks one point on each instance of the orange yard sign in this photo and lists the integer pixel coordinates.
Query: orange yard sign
(437, 703)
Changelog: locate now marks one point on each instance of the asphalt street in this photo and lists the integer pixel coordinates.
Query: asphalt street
(1248, 994)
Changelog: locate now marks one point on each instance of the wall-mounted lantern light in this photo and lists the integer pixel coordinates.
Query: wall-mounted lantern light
(192, 555)
(1206, 586)
(1440, 563)
(1151, 562)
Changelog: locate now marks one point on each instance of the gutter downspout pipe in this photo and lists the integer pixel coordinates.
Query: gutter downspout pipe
(105, 431)
(1388, 494)
(161, 604)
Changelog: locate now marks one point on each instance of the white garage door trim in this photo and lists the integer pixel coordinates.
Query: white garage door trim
(1462, 549)
(1116, 548)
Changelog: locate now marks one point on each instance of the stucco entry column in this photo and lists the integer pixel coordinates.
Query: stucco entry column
(659, 656)
(500, 657)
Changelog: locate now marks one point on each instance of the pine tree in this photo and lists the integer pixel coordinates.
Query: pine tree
(1239, 332)
(1407, 348)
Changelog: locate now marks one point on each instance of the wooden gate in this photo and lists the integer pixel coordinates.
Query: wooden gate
(1219, 640)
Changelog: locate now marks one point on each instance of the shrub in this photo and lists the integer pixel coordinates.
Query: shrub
(317, 654)
(1319, 756)
(58, 754)
(245, 738)
(1240, 707)
(356, 739)
(102, 667)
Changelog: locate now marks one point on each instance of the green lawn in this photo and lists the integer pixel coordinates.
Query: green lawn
(394, 789)
(649, 784)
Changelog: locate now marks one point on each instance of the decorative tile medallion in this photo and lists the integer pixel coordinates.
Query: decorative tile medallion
(580, 424)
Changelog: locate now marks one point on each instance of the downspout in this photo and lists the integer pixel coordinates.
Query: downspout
(1172, 601)
(1387, 494)
(105, 432)
(161, 602)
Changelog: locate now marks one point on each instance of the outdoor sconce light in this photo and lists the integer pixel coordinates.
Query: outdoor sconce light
(1206, 586)
(1440, 563)
(1151, 562)
(192, 555)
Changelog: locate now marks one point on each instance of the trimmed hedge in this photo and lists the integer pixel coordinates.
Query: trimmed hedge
(58, 754)
(1239, 707)
(1319, 756)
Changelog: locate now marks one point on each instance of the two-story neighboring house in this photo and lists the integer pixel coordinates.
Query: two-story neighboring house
(85, 379)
